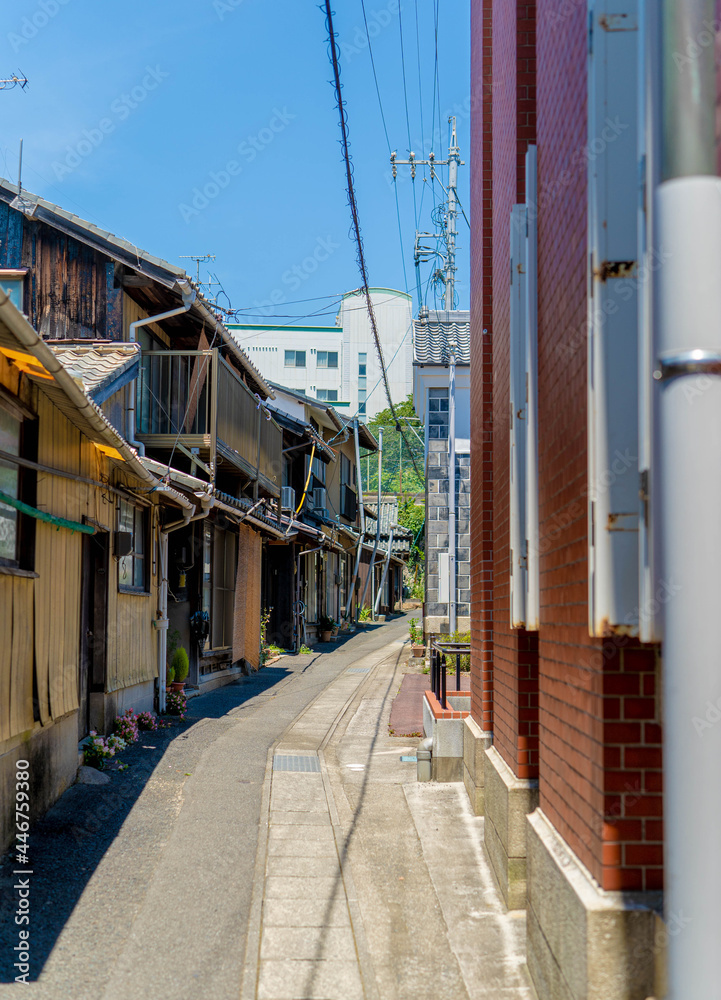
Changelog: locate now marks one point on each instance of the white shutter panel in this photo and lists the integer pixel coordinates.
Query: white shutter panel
(517, 417)
(531, 345)
(613, 318)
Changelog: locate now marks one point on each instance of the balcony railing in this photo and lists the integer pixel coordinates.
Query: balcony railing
(197, 400)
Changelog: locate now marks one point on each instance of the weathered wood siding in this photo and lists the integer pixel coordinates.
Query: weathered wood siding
(70, 292)
(246, 609)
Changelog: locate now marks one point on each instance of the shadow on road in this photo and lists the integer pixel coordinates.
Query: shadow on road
(67, 845)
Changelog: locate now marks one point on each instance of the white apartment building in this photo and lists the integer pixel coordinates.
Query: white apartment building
(339, 364)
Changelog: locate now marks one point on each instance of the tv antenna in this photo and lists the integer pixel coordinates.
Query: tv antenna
(19, 80)
(199, 259)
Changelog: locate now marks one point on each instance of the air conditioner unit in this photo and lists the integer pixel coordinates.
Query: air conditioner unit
(287, 498)
(319, 499)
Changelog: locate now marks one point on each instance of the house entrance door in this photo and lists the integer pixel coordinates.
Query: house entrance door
(93, 625)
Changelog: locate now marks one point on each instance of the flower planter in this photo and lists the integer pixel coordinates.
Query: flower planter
(177, 686)
(418, 650)
(325, 636)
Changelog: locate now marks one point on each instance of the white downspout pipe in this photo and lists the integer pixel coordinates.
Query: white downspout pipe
(359, 484)
(188, 294)
(161, 622)
(687, 370)
(452, 593)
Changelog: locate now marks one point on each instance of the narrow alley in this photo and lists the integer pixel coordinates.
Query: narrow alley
(278, 846)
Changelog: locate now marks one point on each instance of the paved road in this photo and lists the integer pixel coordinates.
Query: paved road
(143, 887)
(276, 846)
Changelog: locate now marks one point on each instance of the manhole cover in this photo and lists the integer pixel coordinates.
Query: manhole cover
(409, 760)
(296, 762)
(358, 670)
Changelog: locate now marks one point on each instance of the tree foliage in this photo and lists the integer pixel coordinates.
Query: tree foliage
(398, 474)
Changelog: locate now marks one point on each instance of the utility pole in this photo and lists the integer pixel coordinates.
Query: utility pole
(449, 225)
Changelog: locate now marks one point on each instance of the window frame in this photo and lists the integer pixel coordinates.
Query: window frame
(141, 558)
(294, 353)
(327, 356)
(26, 488)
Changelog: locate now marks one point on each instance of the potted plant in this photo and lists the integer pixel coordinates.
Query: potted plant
(326, 624)
(180, 665)
(416, 637)
(364, 617)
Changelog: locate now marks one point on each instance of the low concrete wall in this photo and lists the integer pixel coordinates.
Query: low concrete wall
(445, 726)
(507, 801)
(584, 943)
(475, 744)
(53, 757)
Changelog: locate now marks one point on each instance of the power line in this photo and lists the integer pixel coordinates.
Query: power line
(388, 141)
(356, 223)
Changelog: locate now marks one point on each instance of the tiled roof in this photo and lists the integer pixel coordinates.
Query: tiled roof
(402, 537)
(433, 333)
(101, 368)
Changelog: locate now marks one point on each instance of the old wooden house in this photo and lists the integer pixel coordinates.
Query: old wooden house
(183, 395)
(77, 645)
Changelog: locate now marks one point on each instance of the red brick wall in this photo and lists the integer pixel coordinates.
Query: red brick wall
(595, 709)
(600, 738)
(481, 366)
(515, 676)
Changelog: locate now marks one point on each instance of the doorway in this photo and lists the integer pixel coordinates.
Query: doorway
(93, 625)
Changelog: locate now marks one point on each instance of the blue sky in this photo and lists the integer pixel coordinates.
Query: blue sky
(209, 126)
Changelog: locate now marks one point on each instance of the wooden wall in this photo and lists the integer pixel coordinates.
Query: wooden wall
(246, 616)
(70, 292)
(40, 616)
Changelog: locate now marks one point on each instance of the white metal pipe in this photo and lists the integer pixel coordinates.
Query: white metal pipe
(188, 298)
(453, 590)
(688, 344)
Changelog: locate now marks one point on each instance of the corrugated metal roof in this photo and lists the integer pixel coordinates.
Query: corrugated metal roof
(432, 334)
(101, 368)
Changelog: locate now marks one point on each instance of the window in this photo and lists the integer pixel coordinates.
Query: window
(17, 531)
(362, 362)
(327, 359)
(132, 567)
(438, 421)
(327, 395)
(10, 429)
(361, 400)
(295, 359)
(13, 282)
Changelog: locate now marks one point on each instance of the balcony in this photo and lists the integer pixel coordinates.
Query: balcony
(194, 402)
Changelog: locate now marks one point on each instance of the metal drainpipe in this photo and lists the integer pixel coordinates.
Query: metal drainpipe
(161, 622)
(359, 485)
(188, 298)
(378, 521)
(453, 595)
(688, 352)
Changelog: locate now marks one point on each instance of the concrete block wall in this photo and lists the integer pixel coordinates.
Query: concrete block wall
(437, 497)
